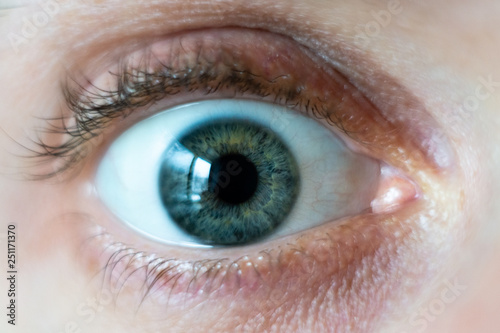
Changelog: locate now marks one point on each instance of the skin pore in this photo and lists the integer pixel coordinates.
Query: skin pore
(428, 71)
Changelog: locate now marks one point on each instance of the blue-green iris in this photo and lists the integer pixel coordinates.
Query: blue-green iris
(229, 182)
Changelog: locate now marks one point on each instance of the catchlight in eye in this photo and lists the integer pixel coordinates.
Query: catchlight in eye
(228, 172)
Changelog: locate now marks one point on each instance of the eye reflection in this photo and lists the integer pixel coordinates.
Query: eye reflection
(230, 182)
(170, 177)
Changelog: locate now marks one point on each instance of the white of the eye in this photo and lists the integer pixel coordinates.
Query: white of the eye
(335, 182)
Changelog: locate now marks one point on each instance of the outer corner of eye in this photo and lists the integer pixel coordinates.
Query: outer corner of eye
(227, 172)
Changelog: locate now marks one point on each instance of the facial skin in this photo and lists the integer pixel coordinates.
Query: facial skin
(429, 264)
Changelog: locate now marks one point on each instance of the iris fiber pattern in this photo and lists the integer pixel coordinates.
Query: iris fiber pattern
(229, 182)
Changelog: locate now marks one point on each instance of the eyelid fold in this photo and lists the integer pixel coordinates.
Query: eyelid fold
(397, 105)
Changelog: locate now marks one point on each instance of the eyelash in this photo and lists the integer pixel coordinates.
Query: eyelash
(161, 276)
(92, 112)
(160, 272)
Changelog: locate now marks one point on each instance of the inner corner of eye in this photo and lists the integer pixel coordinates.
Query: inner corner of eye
(394, 190)
(232, 172)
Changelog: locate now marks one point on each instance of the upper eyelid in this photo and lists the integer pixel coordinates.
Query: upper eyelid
(89, 108)
(401, 107)
(390, 110)
(394, 101)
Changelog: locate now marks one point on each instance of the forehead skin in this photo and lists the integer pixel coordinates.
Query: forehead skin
(440, 50)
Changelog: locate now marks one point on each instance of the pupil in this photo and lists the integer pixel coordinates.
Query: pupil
(233, 178)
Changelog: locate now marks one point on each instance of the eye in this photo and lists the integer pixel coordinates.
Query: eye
(350, 159)
(227, 172)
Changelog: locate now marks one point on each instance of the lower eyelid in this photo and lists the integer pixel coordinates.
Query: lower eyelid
(355, 265)
(324, 253)
(341, 264)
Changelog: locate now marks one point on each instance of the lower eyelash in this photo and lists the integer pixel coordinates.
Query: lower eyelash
(177, 279)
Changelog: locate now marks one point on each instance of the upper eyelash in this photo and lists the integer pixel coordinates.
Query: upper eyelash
(138, 88)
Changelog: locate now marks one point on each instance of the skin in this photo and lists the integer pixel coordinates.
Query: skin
(428, 265)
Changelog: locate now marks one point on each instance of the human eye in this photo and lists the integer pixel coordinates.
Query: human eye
(175, 176)
(357, 170)
(230, 179)
(293, 166)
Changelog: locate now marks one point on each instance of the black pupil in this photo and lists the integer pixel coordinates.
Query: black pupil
(233, 178)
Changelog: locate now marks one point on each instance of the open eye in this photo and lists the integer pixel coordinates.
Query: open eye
(279, 151)
(226, 172)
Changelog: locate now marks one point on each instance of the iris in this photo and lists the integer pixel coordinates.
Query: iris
(228, 182)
